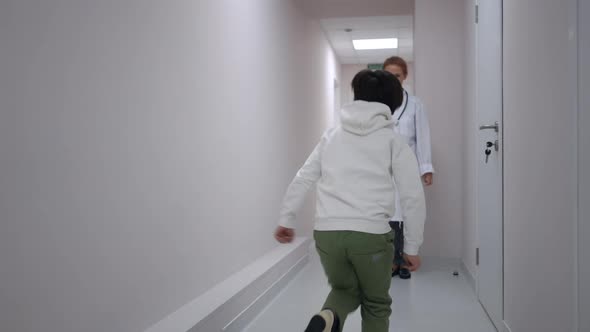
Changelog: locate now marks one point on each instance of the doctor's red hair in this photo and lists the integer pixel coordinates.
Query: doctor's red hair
(397, 61)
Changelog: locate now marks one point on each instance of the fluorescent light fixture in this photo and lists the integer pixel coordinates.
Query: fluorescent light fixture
(375, 44)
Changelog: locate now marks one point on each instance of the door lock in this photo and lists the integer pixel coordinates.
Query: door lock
(495, 144)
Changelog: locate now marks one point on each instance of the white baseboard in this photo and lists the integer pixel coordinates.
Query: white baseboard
(231, 304)
(241, 321)
(469, 276)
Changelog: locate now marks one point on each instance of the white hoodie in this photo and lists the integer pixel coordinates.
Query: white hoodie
(353, 166)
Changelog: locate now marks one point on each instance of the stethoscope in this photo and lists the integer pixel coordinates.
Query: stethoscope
(405, 105)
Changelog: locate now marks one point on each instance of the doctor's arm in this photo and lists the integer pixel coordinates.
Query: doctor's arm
(423, 145)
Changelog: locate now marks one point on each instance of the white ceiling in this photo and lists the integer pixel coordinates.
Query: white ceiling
(400, 27)
(320, 9)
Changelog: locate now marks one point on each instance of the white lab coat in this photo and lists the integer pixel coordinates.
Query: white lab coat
(412, 124)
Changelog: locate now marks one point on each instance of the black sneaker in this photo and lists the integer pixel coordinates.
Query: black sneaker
(324, 321)
(404, 273)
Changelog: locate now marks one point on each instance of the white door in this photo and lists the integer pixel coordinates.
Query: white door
(489, 172)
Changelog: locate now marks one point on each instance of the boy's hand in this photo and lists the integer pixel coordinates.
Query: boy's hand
(413, 262)
(284, 235)
(427, 179)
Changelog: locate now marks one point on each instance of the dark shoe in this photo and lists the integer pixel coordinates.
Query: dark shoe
(404, 273)
(324, 321)
(394, 272)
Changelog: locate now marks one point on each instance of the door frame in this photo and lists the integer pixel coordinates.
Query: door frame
(581, 75)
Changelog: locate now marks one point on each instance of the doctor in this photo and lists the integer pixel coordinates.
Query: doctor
(412, 123)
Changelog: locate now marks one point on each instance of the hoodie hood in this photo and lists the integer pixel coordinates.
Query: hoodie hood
(363, 118)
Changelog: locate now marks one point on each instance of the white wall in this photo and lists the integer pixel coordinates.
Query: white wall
(439, 41)
(470, 138)
(410, 82)
(348, 73)
(145, 148)
(539, 166)
(318, 97)
(584, 165)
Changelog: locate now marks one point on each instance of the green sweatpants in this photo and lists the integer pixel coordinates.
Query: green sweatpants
(358, 266)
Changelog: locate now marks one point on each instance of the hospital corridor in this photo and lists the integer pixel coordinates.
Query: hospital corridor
(294, 165)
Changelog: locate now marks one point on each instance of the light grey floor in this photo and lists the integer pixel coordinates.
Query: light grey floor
(433, 300)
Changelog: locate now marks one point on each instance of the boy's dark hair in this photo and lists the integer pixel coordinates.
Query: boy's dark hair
(378, 86)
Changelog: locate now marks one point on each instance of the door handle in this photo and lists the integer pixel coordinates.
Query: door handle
(495, 127)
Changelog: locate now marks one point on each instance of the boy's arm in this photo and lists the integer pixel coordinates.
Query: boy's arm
(411, 192)
(306, 177)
